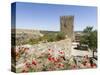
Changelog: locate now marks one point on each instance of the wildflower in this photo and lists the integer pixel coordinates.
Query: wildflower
(60, 65)
(94, 66)
(34, 62)
(53, 59)
(49, 58)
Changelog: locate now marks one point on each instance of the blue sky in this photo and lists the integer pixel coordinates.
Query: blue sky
(47, 16)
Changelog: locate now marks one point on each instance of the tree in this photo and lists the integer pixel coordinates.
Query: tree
(89, 38)
(93, 41)
(88, 29)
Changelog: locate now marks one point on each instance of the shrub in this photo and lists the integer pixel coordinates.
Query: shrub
(60, 36)
(50, 37)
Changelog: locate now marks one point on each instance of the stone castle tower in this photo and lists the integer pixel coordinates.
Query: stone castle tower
(66, 23)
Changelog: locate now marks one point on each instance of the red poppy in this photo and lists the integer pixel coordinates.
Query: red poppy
(34, 62)
(49, 58)
(53, 59)
(94, 65)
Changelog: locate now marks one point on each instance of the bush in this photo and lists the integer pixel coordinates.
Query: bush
(60, 36)
(33, 41)
(49, 37)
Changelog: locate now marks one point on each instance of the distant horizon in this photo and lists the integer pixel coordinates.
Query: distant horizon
(39, 16)
(46, 30)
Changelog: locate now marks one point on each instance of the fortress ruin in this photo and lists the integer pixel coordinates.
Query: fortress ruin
(66, 25)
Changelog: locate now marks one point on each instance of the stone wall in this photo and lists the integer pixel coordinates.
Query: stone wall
(66, 23)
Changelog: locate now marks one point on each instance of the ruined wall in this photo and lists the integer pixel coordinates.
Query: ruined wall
(66, 25)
